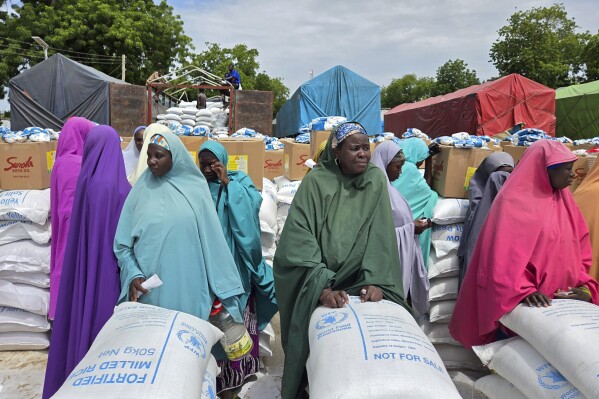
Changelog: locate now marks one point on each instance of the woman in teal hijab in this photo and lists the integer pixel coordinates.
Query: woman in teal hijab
(237, 204)
(415, 189)
(169, 227)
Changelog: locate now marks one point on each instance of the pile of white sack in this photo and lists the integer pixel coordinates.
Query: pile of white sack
(554, 356)
(448, 221)
(211, 120)
(24, 269)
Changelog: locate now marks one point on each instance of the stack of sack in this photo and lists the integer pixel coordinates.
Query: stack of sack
(443, 268)
(326, 123)
(528, 136)
(554, 356)
(29, 134)
(286, 190)
(268, 220)
(24, 269)
(466, 140)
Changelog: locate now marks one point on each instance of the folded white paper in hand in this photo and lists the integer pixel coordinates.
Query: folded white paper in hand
(310, 163)
(152, 282)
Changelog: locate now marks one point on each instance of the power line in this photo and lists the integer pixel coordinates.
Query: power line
(63, 50)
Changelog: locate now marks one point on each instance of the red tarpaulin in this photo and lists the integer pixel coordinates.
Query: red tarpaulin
(485, 109)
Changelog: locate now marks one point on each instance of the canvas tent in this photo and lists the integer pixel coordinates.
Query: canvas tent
(50, 92)
(577, 110)
(484, 109)
(336, 92)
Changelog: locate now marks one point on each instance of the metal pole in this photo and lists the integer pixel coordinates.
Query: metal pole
(123, 68)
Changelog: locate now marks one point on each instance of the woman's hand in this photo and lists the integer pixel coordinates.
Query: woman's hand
(537, 299)
(371, 293)
(136, 286)
(420, 225)
(333, 299)
(221, 172)
(574, 293)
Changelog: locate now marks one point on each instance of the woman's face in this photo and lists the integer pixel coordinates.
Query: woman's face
(354, 154)
(561, 176)
(160, 160)
(394, 169)
(139, 139)
(207, 158)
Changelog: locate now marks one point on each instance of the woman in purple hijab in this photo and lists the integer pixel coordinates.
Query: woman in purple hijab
(62, 182)
(90, 282)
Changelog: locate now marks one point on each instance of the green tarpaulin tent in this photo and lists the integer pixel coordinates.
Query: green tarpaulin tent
(577, 111)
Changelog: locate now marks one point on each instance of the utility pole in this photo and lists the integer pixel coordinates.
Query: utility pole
(123, 67)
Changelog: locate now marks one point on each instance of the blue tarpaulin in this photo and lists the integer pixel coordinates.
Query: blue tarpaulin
(336, 92)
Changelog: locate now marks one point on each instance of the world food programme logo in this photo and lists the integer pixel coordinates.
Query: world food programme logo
(331, 318)
(552, 380)
(192, 343)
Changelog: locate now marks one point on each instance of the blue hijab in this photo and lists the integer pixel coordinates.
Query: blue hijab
(411, 184)
(238, 210)
(169, 227)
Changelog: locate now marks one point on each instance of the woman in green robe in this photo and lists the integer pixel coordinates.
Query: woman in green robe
(339, 239)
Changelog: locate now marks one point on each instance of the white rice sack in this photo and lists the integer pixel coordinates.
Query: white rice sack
(373, 344)
(268, 237)
(29, 205)
(150, 352)
(264, 338)
(457, 357)
(268, 209)
(11, 231)
(37, 279)
(520, 364)
(497, 387)
(448, 266)
(566, 334)
(13, 320)
(443, 288)
(441, 311)
(464, 381)
(286, 189)
(188, 104)
(437, 333)
(446, 238)
(209, 382)
(175, 111)
(204, 112)
(190, 111)
(25, 256)
(27, 297)
(161, 117)
(268, 253)
(282, 213)
(23, 341)
(188, 122)
(173, 117)
(450, 210)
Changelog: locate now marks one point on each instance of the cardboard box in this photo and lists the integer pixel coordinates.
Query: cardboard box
(274, 164)
(295, 156)
(26, 166)
(453, 168)
(587, 146)
(581, 168)
(316, 138)
(246, 155)
(515, 151)
(193, 144)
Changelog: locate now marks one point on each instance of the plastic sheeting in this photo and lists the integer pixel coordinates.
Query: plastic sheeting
(577, 110)
(485, 109)
(50, 92)
(336, 92)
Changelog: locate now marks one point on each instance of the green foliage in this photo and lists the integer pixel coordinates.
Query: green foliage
(150, 35)
(590, 58)
(407, 89)
(542, 44)
(454, 75)
(280, 91)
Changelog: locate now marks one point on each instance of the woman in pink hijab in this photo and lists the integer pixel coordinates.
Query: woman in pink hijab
(65, 173)
(533, 246)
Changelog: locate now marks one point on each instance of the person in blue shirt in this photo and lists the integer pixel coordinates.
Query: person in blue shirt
(232, 77)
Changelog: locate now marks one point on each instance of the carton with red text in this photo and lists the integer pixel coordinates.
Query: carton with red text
(247, 155)
(26, 166)
(274, 163)
(296, 154)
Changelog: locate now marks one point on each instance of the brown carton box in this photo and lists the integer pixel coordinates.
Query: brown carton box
(274, 163)
(515, 151)
(295, 156)
(193, 144)
(26, 166)
(587, 146)
(246, 155)
(453, 168)
(580, 169)
(316, 138)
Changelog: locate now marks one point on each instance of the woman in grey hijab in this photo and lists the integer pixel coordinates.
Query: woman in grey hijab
(389, 157)
(484, 186)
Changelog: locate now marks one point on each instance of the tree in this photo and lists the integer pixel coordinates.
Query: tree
(541, 44)
(280, 91)
(454, 75)
(95, 33)
(407, 89)
(590, 58)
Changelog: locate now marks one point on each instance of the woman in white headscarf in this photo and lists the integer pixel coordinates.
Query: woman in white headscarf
(142, 162)
(131, 153)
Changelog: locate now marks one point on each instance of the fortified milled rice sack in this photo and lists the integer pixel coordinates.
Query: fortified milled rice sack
(27, 297)
(175, 111)
(450, 210)
(437, 333)
(25, 256)
(520, 364)
(373, 350)
(25, 205)
(497, 387)
(446, 238)
(173, 117)
(441, 311)
(282, 213)
(448, 266)
(11, 231)
(188, 122)
(264, 337)
(286, 189)
(15, 320)
(23, 341)
(566, 334)
(268, 209)
(443, 288)
(37, 279)
(190, 111)
(209, 382)
(458, 358)
(144, 351)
